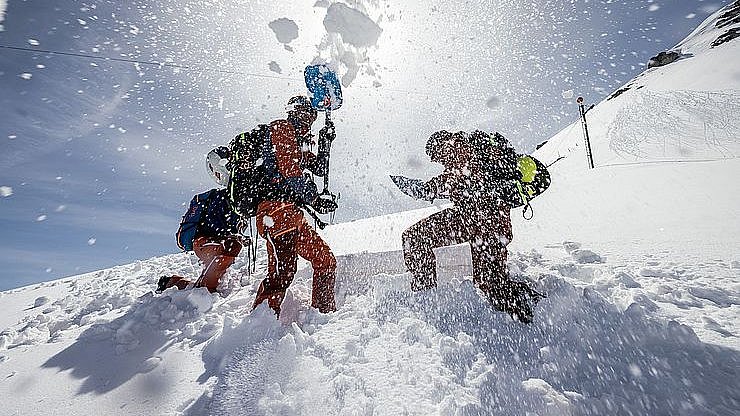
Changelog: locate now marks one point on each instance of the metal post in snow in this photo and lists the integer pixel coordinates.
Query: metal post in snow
(585, 131)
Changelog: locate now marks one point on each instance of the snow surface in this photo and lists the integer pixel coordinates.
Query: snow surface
(639, 258)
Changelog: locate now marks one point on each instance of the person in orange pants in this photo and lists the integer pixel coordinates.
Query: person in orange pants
(282, 223)
(217, 254)
(283, 250)
(217, 243)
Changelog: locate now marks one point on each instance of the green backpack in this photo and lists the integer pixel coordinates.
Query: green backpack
(535, 179)
(521, 177)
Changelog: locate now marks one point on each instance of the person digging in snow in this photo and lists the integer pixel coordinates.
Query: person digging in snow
(281, 222)
(478, 170)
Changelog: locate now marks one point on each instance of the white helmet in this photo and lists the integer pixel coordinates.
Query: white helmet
(217, 161)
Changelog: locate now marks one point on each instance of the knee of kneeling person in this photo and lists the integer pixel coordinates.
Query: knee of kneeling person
(232, 247)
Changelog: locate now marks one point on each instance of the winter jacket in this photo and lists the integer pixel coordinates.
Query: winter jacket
(279, 217)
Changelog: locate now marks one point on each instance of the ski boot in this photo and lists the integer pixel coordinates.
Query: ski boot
(162, 283)
(518, 300)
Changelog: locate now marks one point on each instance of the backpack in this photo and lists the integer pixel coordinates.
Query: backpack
(254, 175)
(249, 183)
(192, 218)
(534, 180)
(522, 176)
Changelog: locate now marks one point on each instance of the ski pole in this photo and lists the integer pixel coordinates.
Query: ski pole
(328, 125)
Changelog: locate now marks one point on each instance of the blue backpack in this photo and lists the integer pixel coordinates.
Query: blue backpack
(191, 220)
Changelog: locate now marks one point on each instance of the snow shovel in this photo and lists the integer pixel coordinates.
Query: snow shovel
(325, 93)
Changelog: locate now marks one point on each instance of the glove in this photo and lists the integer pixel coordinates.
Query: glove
(324, 206)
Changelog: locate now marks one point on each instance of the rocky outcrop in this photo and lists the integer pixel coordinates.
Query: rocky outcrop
(663, 58)
(727, 36)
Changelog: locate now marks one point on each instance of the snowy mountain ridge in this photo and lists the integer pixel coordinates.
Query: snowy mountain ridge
(638, 258)
(682, 111)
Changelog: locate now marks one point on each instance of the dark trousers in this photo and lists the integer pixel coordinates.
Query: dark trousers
(449, 227)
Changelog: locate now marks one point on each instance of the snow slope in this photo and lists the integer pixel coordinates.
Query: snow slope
(639, 258)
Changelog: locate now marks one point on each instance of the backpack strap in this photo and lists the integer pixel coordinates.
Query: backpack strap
(528, 170)
(525, 197)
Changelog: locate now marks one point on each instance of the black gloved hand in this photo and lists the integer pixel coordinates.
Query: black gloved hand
(324, 205)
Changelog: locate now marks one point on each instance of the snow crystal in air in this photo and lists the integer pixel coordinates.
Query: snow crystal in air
(568, 94)
(691, 15)
(350, 32)
(274, 67)
(493, 102)
(91, 242)
(41, 218)
(26, 75)
(285, 29)
(33, 42)
(150, 364)
(6, 191)
(653, 7)
(355, 27)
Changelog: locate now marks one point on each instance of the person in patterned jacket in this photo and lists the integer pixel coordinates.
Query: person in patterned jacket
(479, 216)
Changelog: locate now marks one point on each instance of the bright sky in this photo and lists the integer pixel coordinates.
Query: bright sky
(98, 157)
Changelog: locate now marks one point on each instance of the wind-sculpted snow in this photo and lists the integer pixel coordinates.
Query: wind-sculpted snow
(682, 125)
